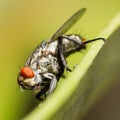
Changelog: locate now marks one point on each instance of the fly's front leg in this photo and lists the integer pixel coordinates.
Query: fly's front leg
(41, 93)
(61, 52)
(53, 81)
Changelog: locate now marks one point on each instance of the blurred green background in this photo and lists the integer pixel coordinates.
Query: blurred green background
(23, 24)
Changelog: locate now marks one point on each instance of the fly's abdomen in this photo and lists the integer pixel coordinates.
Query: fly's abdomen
(72, 43)
(49, 64)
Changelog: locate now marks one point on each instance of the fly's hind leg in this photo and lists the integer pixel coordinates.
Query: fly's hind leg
(61, 53)
(61, 48)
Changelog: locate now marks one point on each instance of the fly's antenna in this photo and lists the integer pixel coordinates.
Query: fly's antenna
(94, 40)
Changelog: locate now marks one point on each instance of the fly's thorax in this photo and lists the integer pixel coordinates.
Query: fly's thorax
(44, 58)
(47, 64)
(70, 45)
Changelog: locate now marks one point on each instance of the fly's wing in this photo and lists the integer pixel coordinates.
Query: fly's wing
(69, 23)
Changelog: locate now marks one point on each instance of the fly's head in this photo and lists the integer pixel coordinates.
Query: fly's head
(29, 79)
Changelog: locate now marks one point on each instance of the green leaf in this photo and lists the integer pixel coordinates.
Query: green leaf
(82, 87)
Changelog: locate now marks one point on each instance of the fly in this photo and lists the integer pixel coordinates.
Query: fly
(46, 64)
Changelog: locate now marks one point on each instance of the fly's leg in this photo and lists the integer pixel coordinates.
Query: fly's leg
(52, 86)
(61, 53)
(53, 82)
(61, 48)
(42, 92)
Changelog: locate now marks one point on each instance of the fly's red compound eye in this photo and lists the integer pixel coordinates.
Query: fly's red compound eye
(27, 72)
